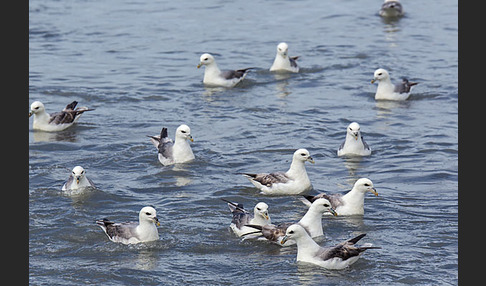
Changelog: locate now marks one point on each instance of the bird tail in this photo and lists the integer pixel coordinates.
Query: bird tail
(163, 133)
(249, 175)
(356, 239)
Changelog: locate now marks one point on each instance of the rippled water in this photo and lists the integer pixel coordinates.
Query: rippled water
(135, 63)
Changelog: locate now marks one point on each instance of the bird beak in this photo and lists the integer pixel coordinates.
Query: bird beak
(156, 221)
(334, 213)
(373, 80)
(190, 137)
(284, 239)
(374, 192)
(77, 180)
(265, 215)
(310, 160)
(199, 65)
(30, 113)
(355, 135)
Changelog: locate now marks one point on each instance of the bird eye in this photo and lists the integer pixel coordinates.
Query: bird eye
(74, 173)
(291, 232)
(367, 185)
(258, 209)
(37, 107)
(326, 205)
(147, 213)
(183, 131)
(380, 73)
(206, 59)
(302, 154)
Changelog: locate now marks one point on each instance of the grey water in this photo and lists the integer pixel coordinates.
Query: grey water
(134, 62)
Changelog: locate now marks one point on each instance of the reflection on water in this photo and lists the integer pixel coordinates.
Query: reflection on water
(385, 107)
(352, 163)
(282, 84)
(68, 135)
(146, 259)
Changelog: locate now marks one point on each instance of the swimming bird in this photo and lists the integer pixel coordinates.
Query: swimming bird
(241, 217)
(77, 181)
(133, 232)
(391, 8)
(213, 76)
(311, 222)
(387, 90)
(56, 121)
(351, 203)
(177, 151)
(354, 144)
(293, 182)
(339, 256)
(282, 61)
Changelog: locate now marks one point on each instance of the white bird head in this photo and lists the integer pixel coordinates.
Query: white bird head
(183, 131)
(261, 209)
(205, 59)
(148, 214)
(282, 49)
(78, 173)
(293, 232)
(303, 155)
(379, 75)
(36, 107)
(322, 205)
(354, 130)
(365, 185)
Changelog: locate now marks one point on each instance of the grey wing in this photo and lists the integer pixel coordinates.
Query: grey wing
(241, 218)
(231, 74)
(404, 86)
(118, 230)
(293, 62)
(62, 117)
(365, 144)
(165, 148)
(342, 145)
(272, 178)
(274, 232)
(68, 183)
(334, 199)
(91, 182)
(343, 250)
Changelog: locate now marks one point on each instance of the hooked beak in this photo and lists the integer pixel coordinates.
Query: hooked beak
(265, 215)
(77, 180)
(334, 213)
(199, 65)
(373, 80)
(156, 221)
(310, 160)
(190, 137)
(373, 191)
(30, 113)
(284, 239)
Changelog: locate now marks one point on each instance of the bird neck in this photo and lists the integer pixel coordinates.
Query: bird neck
(258, 219)
(306, 247)
(354, 197)
(312, 221)
(297, 168)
